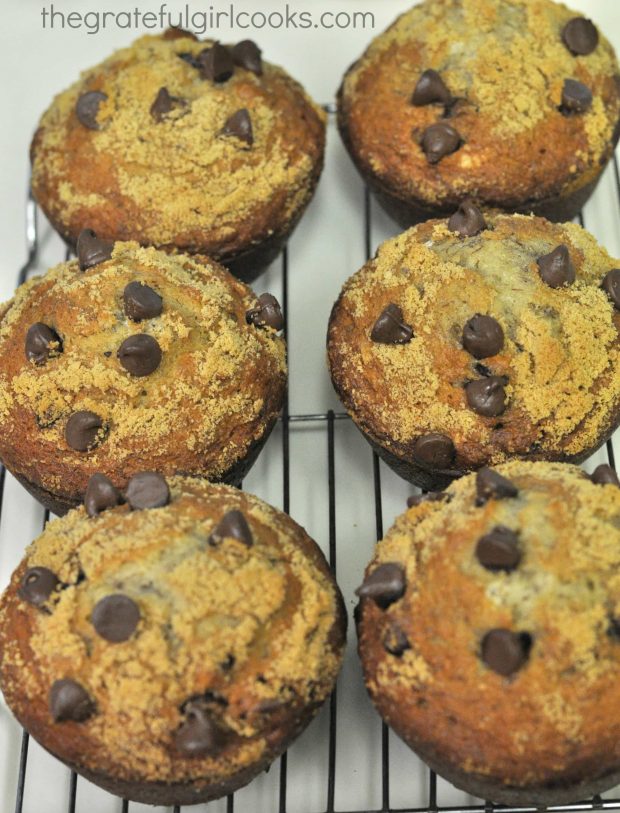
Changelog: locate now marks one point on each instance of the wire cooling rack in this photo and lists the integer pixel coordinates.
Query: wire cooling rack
(348, 761)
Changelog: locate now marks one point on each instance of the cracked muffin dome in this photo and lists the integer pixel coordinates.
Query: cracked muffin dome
(513, 102)
(129, 359)
(489, 633)
(170, 648)
(471, 341)
(183, 145)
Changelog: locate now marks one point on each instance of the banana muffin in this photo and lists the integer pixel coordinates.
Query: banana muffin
(169, 650)
(470, 341)
(183, 145)
(489, 632)
(128, 358)
(515, 103)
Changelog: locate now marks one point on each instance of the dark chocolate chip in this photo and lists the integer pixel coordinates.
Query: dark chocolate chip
(395, 641)
(267, 314)
(468, 220)
(487, 396)
(165, 103)
(37, 585)
(148, 489)
(140, 355)
(247, 55)
(68, 701)
(611, 286)
(100, 494)
(385, 585)
(490, 485)
(216, 63)
(115, 618)
(440, 140)
(430, 496)
(434, 450)
(87, 108)
(175, 32)
(390, 327)
(483, 336)
(576, 97)
(604, 475)
(42, 343)
(198, 736)
(91, 250)
(580, 36)
(504, 651)
(430, 88)
(499, 549)
(239, 125)
(141, 302)
(556, 268)
(84, 430)
(233, 525)
(190, 59)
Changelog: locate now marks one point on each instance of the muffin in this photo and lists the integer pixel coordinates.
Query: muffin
(190, 146)
(170, 648)
(129, 359)
(515, 103)
(471, 341)
(489, 632)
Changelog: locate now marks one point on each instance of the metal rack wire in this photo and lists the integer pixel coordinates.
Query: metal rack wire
(329, 420)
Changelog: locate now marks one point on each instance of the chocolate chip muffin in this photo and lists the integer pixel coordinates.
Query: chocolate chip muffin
(170, 648)
(513, 102)
(489, 632)
(184, 145)
(128, 359)
(470, 341)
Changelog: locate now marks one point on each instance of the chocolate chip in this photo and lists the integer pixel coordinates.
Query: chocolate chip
(198, 736)
(100, 494)
(490, 485)
(42, 343)
(87, 108)
(91, 250)
(576, 97)
(604, 475)
(556, 268)
(115, 618)
(239, 125)
(611, 286)
(233, 525)
(84, 430)
(140, 355)
(487, 396)
(190, 59)
(247, 55)
(430, 88)
(68, 701)
(483, 336)
(165, 103)
(440, 140)
(395, 641)
(434, 450)
(499, 549)
(468, 220)
(267, 314)
(580, 36)
(148, 489)
(141, 302)
(385, 585)
(430, 496)
(37, 585)
(506, 652)
(390, 327)
(216, 63)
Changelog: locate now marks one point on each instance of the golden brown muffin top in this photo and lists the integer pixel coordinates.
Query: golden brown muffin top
(558, 364)
(505, 62)
(250, 630)
(539, 700)
(174, 178)
(219, 383)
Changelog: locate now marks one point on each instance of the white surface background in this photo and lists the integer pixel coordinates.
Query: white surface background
(327, 248)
